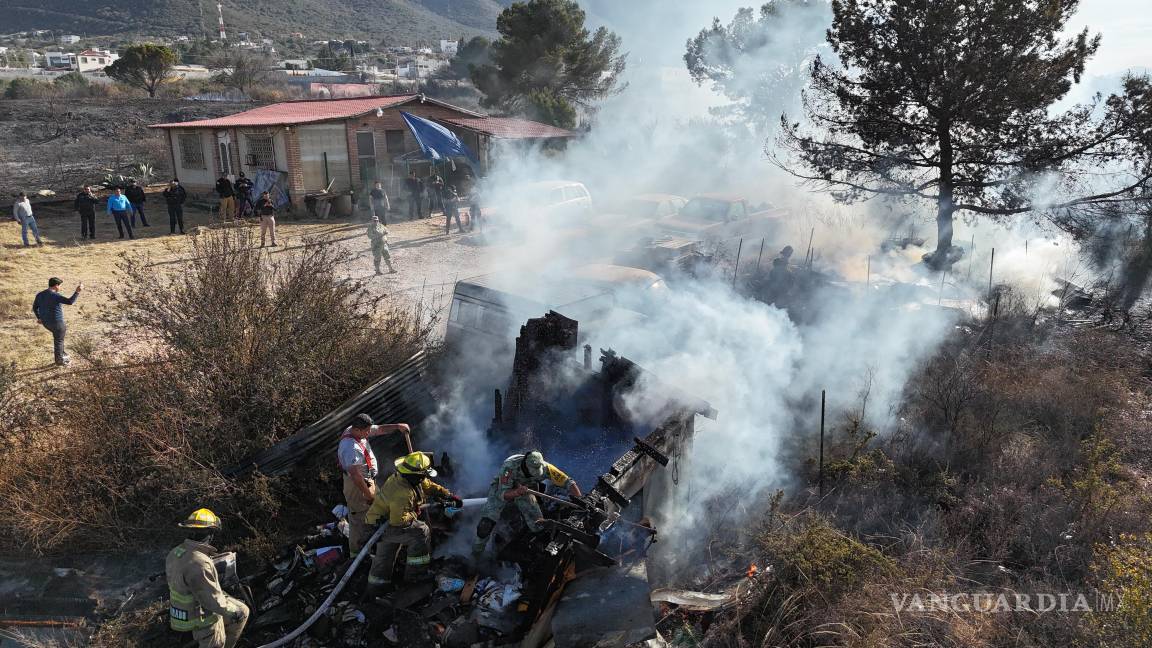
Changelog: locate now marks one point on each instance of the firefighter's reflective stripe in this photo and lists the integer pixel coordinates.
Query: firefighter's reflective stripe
(186, 615)
(419, 560)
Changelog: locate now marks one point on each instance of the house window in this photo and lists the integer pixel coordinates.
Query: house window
(394, 141)
(191, 151)
(260, 152)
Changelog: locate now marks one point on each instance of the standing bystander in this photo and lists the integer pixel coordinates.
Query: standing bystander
(379, 202)
(174, 197)
(436, 193)
(49, 312)
(85, 206)
(415, 187)
(243, 188)
(266, 210)
(136, 197)
(378, 235)
(119, 207)
(227, 197)
(22, 213)
(451, 210)
(475, 212)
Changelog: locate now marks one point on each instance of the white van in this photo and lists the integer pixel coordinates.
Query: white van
(560, 201)
(493, 307)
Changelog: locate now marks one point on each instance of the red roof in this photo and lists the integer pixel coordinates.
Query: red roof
(306, 111)
(508, 127)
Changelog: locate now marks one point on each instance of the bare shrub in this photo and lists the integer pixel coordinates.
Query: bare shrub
(222, 357)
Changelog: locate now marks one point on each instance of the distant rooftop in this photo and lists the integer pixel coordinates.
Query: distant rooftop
(312, 111)
(308, 111)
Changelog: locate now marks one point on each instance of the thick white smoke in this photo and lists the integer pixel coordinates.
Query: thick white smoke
(872, 322)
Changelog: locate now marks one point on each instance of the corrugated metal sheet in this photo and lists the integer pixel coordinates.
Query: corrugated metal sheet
(406, 395)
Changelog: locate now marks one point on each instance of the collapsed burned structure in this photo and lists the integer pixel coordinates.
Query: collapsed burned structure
(605, 541)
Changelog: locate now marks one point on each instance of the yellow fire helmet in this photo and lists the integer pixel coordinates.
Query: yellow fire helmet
(202, 519)
(416, 463)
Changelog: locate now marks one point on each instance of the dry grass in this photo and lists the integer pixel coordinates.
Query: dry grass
(25, 271)
(232, 352)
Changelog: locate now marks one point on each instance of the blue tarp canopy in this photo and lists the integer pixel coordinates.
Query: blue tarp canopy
(437, 142)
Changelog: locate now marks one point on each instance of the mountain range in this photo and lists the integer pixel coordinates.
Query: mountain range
(395, 21)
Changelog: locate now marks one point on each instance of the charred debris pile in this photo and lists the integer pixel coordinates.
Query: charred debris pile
(586, 580)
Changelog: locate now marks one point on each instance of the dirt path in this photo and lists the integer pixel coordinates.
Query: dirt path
(427, 262)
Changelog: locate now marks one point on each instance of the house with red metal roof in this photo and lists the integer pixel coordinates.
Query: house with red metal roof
(339, 145)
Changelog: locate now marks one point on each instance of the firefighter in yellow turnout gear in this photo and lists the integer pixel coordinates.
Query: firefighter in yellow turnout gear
(197, 604)
(519, 473)
(397, 505)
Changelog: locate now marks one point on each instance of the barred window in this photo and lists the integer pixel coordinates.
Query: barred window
(191, 151)
(260, 153)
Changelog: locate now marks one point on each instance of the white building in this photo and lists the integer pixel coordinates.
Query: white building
(420, 67)
(69, 39)
(94, 60)
(449, 47)
(60, 60)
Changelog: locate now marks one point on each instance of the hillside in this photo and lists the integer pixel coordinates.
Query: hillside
(400, 21)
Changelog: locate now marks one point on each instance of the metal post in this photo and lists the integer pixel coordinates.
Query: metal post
(821, 478)
(940, 296)
(991, 264)
(736, 270)
(808, 255)
(868, 275)
(758, 257)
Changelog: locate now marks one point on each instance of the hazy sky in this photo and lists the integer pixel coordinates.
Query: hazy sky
(654, 33)
(1127, 29)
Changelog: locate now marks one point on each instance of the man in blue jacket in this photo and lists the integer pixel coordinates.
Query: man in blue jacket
(49, 311)
(119, 207)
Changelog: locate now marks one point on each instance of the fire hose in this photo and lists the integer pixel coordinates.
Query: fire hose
(331, 597)
(344, 581)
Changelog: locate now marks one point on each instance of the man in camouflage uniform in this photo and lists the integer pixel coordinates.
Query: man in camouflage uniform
(519, 473)
(378, 235)
(197, 602)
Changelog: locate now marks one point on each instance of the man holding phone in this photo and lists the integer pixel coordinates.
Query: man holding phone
(49, 312)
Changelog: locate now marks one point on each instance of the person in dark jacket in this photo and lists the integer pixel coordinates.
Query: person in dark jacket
(243, 188)
(378, 199)
(436, 194)
(85, 206)
(475, 212)
(227, 197)
(266, 210)
(451, 210)
(136, 197)
(49, 312)
(174, 197)
(415, 187)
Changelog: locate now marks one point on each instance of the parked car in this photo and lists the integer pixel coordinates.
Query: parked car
(719, 216)
(649, 206)
(560, 201)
